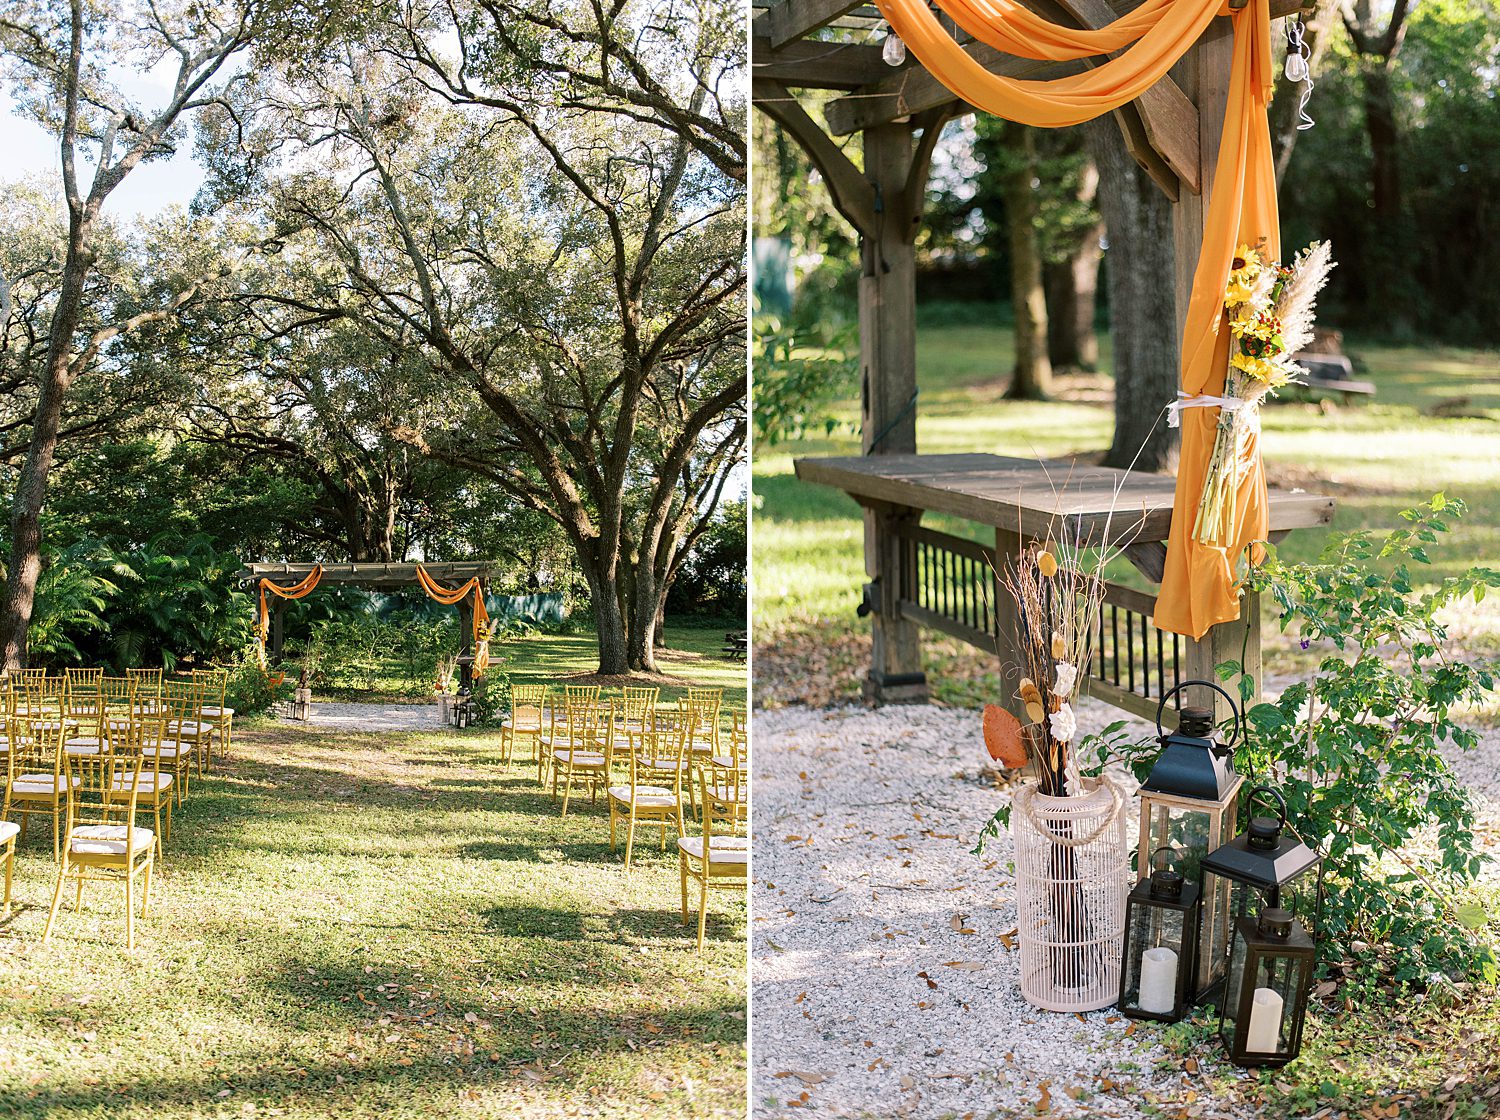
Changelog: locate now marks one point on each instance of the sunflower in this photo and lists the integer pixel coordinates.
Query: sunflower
(1243, 270)
(1260, 369)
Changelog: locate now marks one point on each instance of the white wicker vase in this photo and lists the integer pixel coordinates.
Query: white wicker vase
(1072, 876)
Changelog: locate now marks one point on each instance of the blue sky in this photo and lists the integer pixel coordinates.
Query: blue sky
(27, 150)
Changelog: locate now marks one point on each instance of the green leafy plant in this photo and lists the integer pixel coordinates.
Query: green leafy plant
(1357, 748)
(251, 690)
(797, 377)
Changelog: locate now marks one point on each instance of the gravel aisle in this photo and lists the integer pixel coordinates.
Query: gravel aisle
(370, 717)
(863, 883)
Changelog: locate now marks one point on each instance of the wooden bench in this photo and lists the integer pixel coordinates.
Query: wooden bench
(919, 576)
(1334, 373)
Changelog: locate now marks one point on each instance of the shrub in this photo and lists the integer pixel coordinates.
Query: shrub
(250, 690)
(1356, 748)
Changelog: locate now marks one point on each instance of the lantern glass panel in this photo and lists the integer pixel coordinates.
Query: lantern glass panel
(1195, 828)
(1261, 1022)
(1158, 988)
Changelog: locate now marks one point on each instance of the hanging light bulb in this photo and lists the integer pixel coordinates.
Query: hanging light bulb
(893, 50)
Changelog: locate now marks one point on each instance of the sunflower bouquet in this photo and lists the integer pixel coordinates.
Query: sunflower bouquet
(1270, 308)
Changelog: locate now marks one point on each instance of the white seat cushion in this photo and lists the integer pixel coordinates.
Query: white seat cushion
(187, 728)
(726, 849)
(214, 712)
(82, 746)
(39, 785)
(646, 797)
(106, 840)
(663, 763)
(8, 830)
(581, 758)
(167, 750)
(150, 783)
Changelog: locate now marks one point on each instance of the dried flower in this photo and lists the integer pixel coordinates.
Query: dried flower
(1067, 677)
(1059, 647)
(1064, 724)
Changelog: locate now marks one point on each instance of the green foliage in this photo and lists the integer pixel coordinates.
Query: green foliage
(252, 690)
(76, 585)
(1357, 748)
(798, 376)
(491, 697)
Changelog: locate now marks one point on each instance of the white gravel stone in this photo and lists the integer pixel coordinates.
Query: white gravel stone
(370, 717)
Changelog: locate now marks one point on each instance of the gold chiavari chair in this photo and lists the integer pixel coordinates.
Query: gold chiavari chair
(719, 857)
(220, 719)
(583, 756)
(9, 830)
(569, 695)
(527, 720)
(708, 701)
(118, 694)
(135, 734)
(147, 687)
(634, 716)
(83, 710)
(654, 790)
(177, 743)
(103, 842)
(37, 778)
(739, 739)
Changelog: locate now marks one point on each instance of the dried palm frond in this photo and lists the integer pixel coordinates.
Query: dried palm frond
(1299, 299)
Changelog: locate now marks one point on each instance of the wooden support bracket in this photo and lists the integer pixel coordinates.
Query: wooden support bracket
(853, 195)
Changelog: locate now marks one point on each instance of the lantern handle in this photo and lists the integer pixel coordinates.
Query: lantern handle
(1239, 722)
(1172, 854)
(1280, 802)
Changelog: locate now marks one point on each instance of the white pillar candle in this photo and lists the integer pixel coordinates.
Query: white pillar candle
(1158, 980)
(1265, 1022)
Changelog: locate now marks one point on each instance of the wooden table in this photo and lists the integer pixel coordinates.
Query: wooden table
(920, 577)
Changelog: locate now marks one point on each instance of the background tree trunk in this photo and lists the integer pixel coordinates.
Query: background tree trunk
(1142, 303)
(1072, 288)
(1032, 378)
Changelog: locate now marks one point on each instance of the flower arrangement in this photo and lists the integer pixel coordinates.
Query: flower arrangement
(1270, 308)
(1058, 606)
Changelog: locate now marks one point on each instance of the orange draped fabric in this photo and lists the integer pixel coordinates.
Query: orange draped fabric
(1198, 588)
(298, 590)
(449, 596)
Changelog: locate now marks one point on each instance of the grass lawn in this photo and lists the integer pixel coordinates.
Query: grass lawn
(692, 658)
(1376, 458)
(375, 925)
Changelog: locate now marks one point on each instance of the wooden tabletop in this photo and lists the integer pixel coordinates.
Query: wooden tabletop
(1030, 496)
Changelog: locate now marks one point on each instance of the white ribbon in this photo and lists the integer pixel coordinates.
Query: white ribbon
(1187, 400)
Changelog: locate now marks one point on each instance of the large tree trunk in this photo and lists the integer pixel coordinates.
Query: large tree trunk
(1072, 300)
(1142, 303)
(31, 486)
(609, 620)
(1032, 379)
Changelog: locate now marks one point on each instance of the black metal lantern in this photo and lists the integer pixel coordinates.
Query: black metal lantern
(1265, 866)
(1161, 943)
(1265, 996)
(1189, 802)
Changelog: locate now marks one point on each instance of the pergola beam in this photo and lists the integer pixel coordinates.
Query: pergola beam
(376, 575)
(809, 64)
(914, 90)
(793, 19)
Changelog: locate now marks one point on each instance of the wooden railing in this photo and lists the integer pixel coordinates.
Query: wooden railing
(950, 584)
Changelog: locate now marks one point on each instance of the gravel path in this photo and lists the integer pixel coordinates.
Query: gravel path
(370, 717)
(884, 978)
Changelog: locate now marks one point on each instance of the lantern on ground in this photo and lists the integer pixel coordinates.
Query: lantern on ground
(1267, 867)
(1189, 803)
(1266, 991)
(1161, 943)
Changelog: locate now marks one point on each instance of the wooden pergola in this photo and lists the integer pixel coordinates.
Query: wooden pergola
(807, 54)
(377, 576)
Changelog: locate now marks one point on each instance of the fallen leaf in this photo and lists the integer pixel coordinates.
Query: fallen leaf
(966, 966)
(1003, 738)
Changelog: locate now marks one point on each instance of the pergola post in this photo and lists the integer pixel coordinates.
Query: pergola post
(888, 401)
(466, 640)
(278, 630)
(1172, 131)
